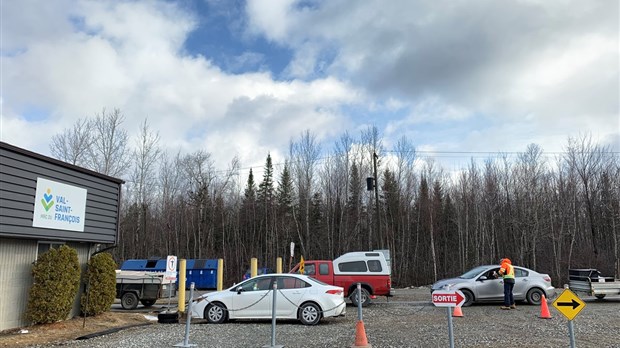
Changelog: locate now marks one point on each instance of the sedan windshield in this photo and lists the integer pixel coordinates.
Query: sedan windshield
(473, 272)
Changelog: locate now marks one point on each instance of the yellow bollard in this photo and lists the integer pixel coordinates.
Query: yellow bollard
(279, 265)
(253, 267)
(181, 289)
(220, 274)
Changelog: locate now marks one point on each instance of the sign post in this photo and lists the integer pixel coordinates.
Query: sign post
(171, 275)
(448, 299)
(302, 266)
(292, 253)
(569, 305)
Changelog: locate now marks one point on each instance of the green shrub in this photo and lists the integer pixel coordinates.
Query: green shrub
(100, 284)
(56, 276)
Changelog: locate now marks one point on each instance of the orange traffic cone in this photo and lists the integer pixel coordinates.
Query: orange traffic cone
(457, 312)
(544, 309)
(360, 335)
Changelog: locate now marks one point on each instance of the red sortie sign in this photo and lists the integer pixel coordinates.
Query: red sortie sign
(445, 298)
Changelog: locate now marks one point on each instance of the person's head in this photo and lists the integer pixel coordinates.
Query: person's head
(505, 260)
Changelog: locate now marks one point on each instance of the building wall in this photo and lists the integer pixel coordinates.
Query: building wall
(19, 170)
(16, 261)
(19, 240)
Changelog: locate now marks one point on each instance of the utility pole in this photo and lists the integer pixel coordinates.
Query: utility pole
(374, 159)
(372, 182)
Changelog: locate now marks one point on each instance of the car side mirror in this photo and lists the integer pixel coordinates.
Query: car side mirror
(239, 289)
(483, 278)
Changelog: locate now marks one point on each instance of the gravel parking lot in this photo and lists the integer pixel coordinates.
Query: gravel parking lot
(407, 320)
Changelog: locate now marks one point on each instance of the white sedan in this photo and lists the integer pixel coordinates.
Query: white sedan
(298, 297)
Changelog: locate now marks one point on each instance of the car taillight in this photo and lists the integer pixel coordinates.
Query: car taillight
(334, 292)
(389, 283)
(547, 279)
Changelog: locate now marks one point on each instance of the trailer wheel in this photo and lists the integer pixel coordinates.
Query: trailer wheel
(147, 303)
(129, 300)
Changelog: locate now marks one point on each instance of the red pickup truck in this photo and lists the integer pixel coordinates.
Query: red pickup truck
(369, 268)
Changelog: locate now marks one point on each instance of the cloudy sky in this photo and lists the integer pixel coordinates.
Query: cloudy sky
(245, 77)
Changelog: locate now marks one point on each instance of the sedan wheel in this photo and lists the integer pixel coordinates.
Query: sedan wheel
(309, 314)
(469, 298)
(534, 296)
(215, 313)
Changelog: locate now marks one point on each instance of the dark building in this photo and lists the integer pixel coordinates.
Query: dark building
(45, 203)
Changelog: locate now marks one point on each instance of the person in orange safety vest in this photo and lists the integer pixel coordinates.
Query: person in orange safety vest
(507, 272)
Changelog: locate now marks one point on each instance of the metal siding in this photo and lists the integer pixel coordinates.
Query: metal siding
(83, 251)
(28, 165)
(19, 171)
(16, 258)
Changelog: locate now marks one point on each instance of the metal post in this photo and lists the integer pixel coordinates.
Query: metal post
(374, 159)
(273, 319)
(273, 315)
(181, 288)
(188, 319)
(450, 333)
(170, 285)
(359, 301)
(571, 333)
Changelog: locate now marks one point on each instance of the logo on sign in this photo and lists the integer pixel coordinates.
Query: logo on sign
(47, 200)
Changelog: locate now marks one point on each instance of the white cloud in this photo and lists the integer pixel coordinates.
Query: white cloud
(129, 55)
(474, 76)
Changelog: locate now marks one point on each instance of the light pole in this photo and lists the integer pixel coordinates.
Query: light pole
(371, 183)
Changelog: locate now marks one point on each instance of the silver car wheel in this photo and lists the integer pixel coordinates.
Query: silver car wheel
(534, 296)
(309, 314)
(215, 314)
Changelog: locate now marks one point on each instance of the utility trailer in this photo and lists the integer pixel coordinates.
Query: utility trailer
(592, 282)
(144, 287)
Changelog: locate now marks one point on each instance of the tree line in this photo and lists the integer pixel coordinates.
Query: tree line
(548, 214)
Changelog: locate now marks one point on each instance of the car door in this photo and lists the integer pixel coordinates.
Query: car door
(522, 284)
(291, 293)
(253, 299)
(491, 288)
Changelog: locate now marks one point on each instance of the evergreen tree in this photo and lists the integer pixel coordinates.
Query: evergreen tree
(266, 212)
(265, 189)
(285, 191)
(248, 217)
(354, 210)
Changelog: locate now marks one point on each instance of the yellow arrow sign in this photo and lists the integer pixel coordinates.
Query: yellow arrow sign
(569, 304)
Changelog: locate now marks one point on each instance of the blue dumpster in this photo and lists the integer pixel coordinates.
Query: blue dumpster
(202, 272)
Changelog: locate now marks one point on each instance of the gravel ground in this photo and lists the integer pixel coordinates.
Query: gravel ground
(406, 320)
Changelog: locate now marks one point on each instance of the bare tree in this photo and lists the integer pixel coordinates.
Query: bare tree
(145, 158)
(73, 144)
(304, 155)
(587, 159)
(109, 153)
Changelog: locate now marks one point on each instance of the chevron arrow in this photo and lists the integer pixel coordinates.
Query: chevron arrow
(573, 304)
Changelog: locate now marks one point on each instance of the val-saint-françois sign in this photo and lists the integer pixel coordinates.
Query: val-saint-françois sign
(447, 298)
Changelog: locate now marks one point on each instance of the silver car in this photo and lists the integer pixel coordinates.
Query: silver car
(481, 285)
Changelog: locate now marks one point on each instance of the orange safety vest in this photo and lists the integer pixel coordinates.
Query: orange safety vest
(506, 270)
